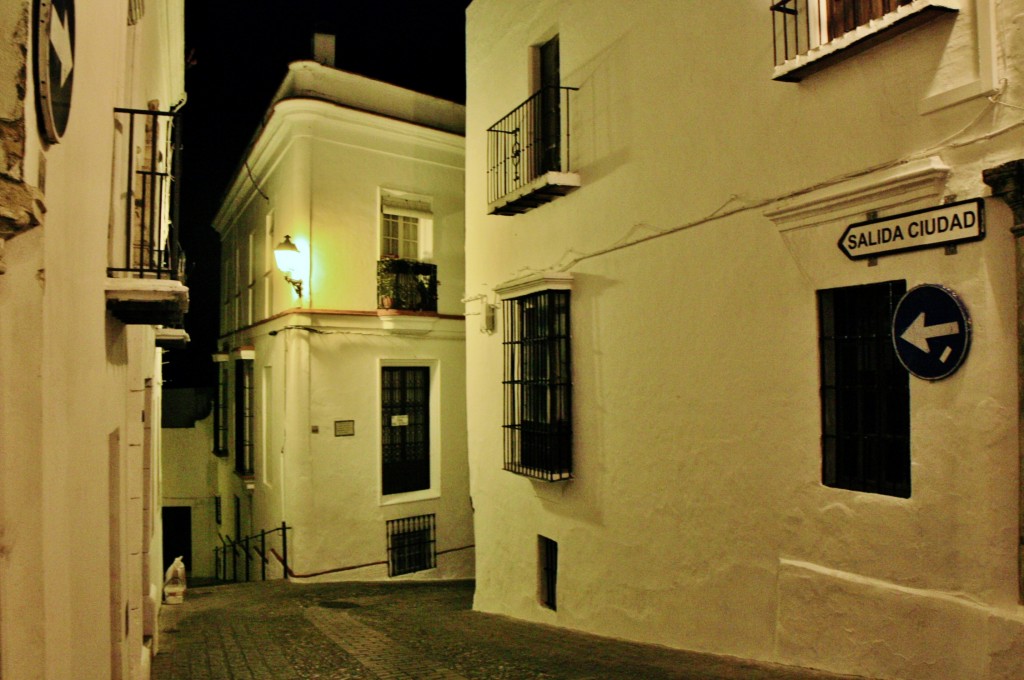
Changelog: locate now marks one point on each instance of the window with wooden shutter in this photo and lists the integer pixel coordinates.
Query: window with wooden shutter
(846, 15)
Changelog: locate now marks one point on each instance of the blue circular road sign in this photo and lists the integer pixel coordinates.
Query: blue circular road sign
(931, 331)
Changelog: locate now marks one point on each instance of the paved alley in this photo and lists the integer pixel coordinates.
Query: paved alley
(409, 630)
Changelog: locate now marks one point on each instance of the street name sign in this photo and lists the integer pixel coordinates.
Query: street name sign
(931, 331)
(928, 228)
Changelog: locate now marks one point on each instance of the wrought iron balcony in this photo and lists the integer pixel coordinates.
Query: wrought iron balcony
(407, 285)
(528, 154)
(811, 34)
(145, 276)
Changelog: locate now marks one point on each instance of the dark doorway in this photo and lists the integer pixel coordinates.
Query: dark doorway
(550, 108)
(178, 536)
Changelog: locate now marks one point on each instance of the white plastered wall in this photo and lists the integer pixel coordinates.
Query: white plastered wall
(696, 410)
(319, 169)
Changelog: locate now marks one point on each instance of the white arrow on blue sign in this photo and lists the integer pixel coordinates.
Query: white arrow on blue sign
(931, 331)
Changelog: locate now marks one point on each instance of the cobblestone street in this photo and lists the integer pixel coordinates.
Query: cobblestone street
(418, 631)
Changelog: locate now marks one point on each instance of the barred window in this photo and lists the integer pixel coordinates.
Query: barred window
(865, 392)
(405, 428)
(412, 544)
(538, 385)
(244, 431)
(220, 412)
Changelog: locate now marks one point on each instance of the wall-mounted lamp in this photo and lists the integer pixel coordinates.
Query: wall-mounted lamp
(288, 261)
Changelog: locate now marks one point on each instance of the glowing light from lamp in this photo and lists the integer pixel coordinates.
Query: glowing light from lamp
(289, 259)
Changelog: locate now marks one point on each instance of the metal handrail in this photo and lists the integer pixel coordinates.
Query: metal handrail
(245, 547)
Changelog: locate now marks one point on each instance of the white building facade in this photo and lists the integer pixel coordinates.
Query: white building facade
(696, 416)
(341, 403)
(89, 285)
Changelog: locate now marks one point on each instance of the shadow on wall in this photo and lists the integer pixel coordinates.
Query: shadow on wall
(184, 406)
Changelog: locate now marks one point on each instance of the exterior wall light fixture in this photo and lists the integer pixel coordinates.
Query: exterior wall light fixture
(288, 260)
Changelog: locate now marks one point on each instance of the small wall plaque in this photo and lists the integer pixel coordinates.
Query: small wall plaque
(344, 428)
(399, 421)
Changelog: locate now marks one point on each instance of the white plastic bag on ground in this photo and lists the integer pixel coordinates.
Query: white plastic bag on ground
(174, 582)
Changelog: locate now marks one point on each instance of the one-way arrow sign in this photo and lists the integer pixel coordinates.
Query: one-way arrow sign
(931, 331)
(918, 333)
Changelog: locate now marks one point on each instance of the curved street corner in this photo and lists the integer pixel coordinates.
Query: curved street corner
(409, 630)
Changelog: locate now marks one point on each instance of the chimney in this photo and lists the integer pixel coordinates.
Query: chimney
(323, 49)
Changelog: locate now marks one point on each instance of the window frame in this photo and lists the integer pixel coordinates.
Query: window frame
(404, 207)
(864, 391)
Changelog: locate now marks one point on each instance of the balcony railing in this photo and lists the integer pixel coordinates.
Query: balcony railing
(809, 35)
(146, 247)
(528, 153)
(407, 285)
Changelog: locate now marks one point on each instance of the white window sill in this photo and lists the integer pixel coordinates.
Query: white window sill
(410, 497)
(863, 37)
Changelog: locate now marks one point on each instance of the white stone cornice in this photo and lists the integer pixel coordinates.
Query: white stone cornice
(534, 283)
(899, 188)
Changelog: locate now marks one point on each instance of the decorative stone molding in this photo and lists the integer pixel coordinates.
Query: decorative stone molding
(887, 191)
(1007, 182)
(533, 283)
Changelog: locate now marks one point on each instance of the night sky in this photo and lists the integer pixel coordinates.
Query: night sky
(237, 53)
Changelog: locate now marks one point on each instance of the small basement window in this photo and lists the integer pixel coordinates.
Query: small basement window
(548, 563)
(412, 544)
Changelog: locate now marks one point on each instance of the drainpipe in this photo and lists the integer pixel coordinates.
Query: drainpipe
(1007, 183)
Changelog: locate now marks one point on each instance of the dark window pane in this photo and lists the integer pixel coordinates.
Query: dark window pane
(405, 428)
(865, 394)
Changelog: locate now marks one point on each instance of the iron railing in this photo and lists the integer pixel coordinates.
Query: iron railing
(406, 285)
(799, 25)
(150, 152)
(232, 556)
(528, 142)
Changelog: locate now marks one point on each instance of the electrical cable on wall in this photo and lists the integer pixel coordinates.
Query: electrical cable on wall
(252, 179)
(720, 213)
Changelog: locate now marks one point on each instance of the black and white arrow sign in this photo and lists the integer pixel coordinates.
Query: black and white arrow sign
(919, 333)
(931, 331)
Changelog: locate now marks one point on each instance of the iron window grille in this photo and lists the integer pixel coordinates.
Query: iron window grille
(220, 414)
(548, 558)
(244, 425)
(405, 428)
(412, 544)
(538, 386)
(865, 392)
